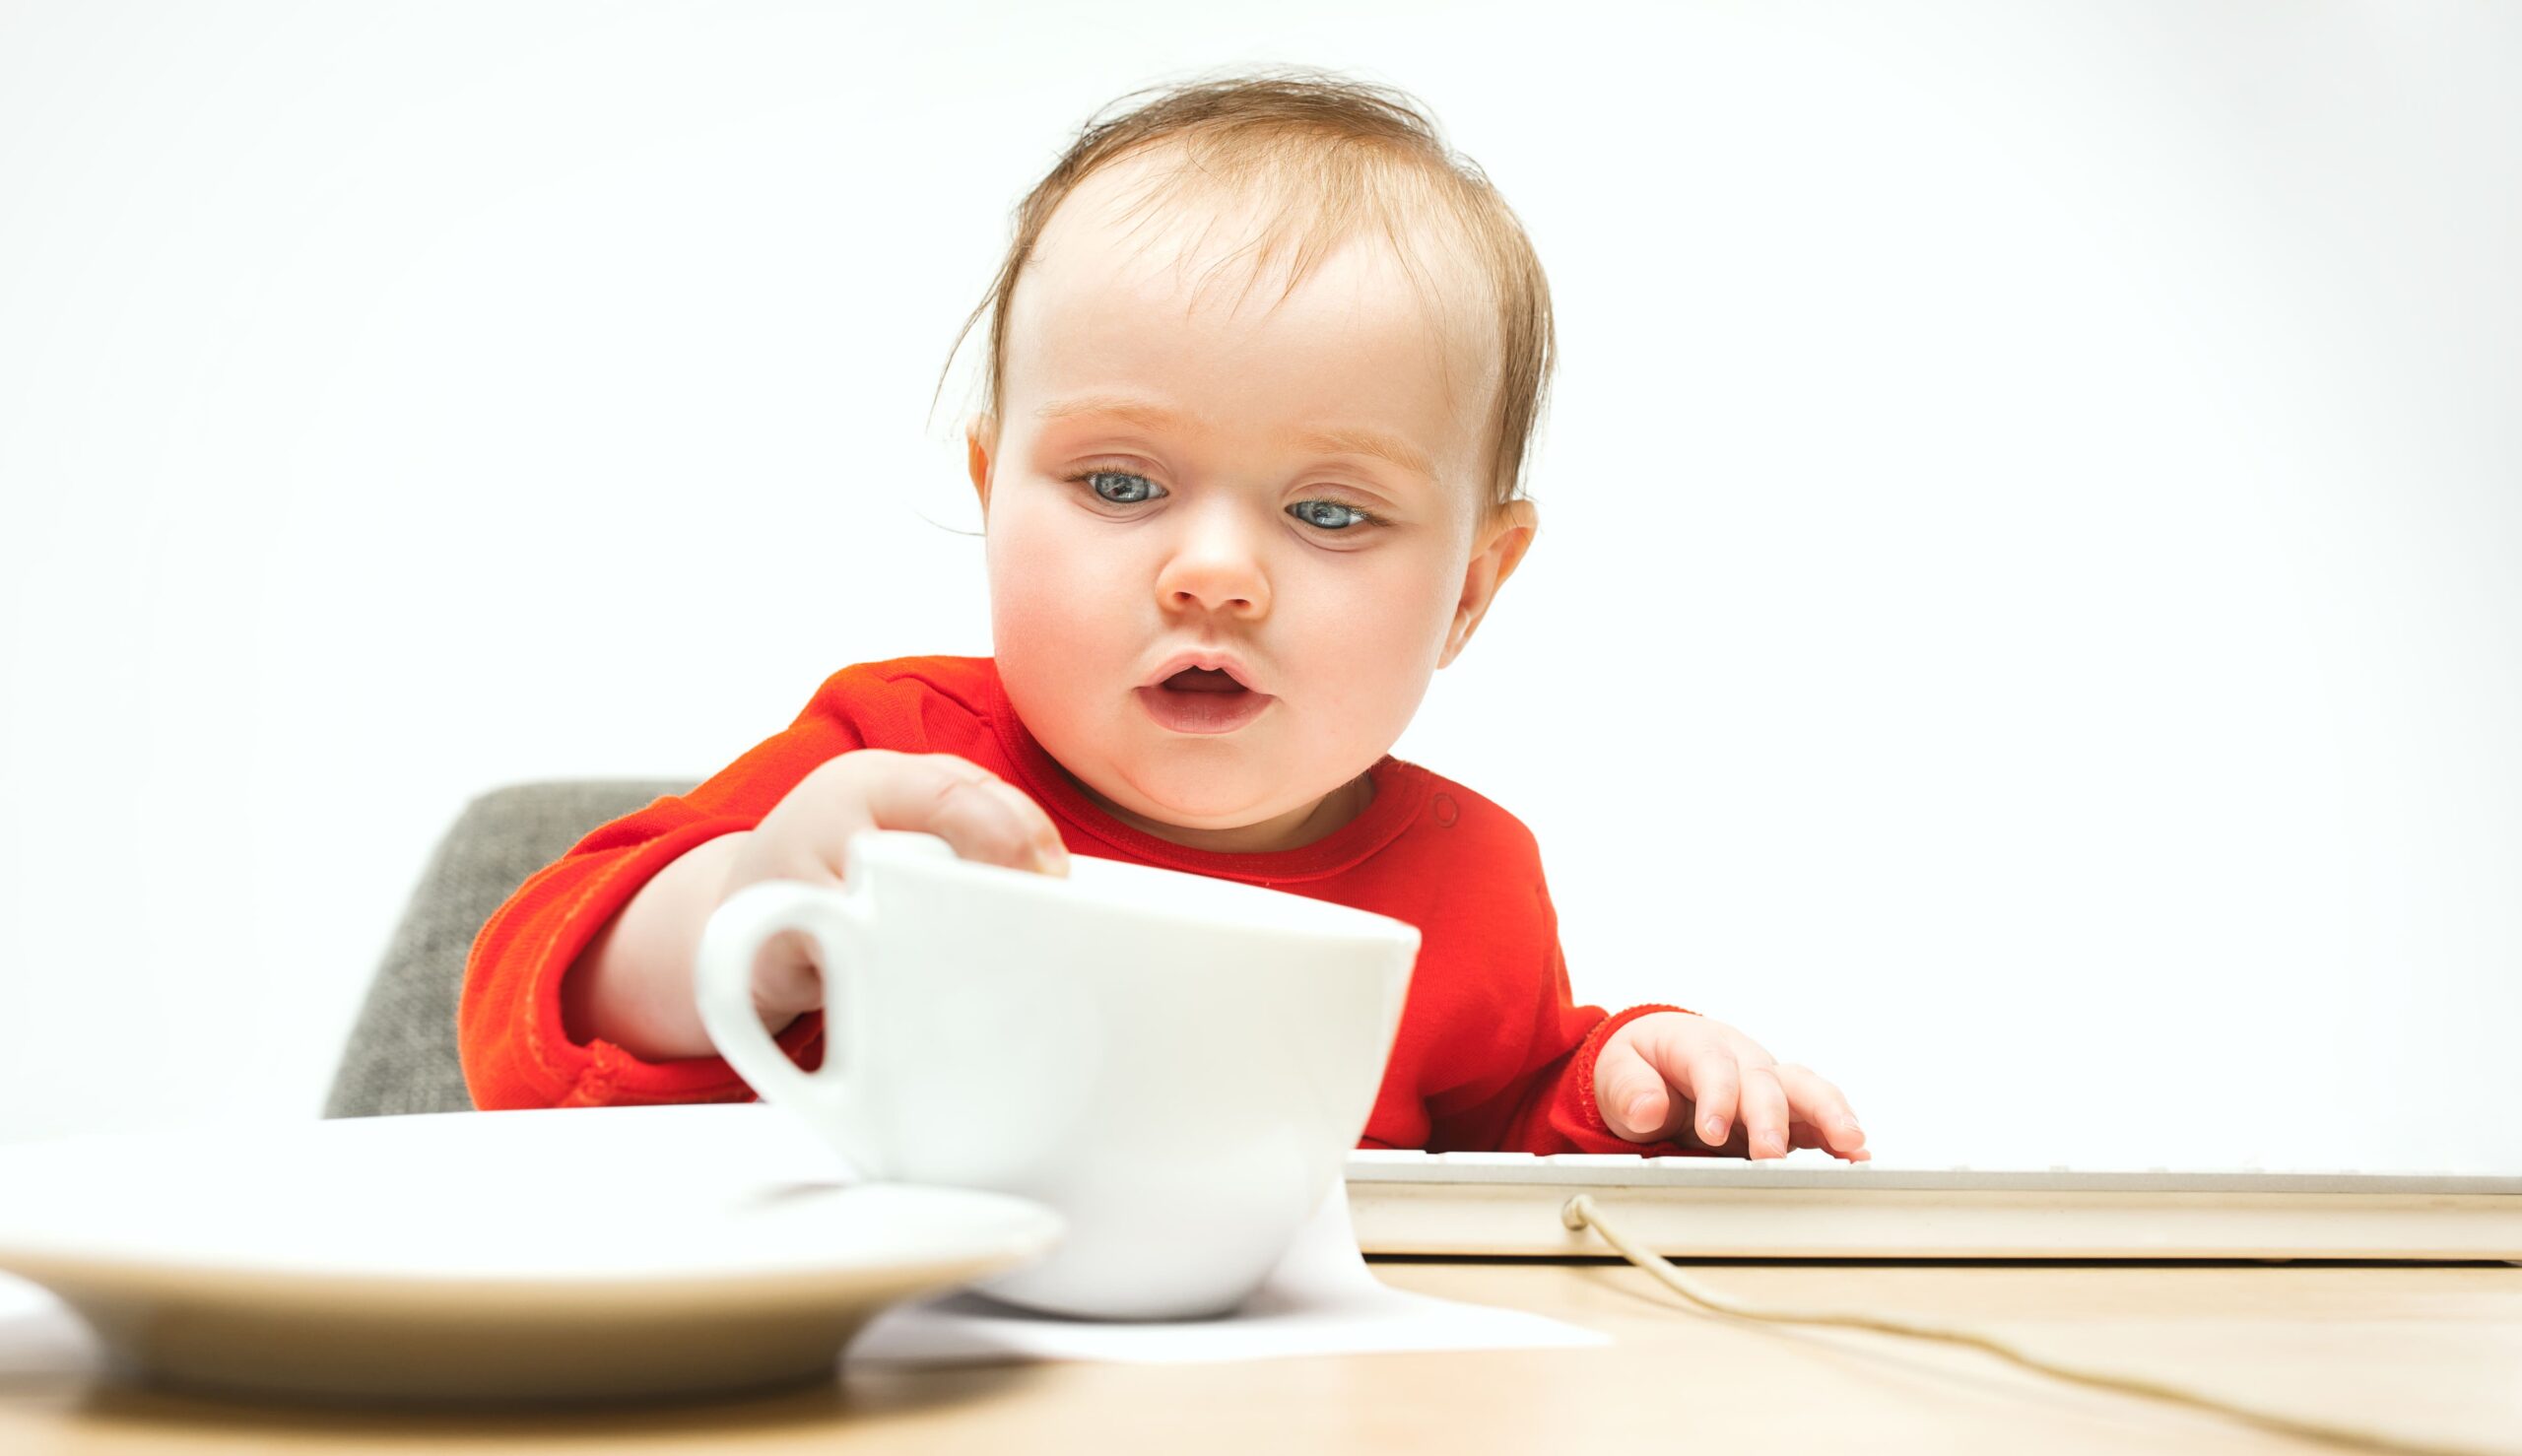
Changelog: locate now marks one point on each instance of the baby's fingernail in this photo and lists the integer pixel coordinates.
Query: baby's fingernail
(1638, 1108)
(1715, 1129)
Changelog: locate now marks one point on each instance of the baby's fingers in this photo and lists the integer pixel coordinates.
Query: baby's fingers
(1803, 1134)
(1764, 1112)
(983, 817)
(1820, 1105)
(1714, 1080)
(1630, 1093)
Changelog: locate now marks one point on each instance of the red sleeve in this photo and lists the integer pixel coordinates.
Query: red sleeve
(515, 1050)
(1549, 1106)
(1558, 1114)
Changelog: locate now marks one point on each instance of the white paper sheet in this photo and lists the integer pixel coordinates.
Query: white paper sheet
(1321, 1300)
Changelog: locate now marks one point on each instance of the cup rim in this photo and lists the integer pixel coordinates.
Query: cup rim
(884, 846)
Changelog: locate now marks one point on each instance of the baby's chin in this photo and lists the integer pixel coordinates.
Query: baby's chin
(1195, 796)
(1199, 798)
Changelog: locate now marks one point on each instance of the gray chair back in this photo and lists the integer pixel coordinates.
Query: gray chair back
(401, 1058)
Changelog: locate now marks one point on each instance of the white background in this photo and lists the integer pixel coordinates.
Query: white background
(2025, 619)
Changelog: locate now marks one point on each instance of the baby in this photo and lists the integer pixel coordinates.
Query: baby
(1227, 547)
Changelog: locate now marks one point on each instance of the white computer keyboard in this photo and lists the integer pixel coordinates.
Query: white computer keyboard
(1508, 1203)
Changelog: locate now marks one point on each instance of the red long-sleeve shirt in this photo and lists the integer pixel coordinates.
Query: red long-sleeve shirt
(1492, 1052)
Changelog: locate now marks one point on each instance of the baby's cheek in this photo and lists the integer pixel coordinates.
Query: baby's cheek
(1057, 621)
(1373, 668)
(1028, 566)
(1022, 554)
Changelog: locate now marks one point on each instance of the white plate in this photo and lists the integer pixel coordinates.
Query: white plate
(564, 1254)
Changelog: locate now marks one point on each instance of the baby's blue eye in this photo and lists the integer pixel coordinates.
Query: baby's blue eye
(1145, 487)
(1128, 487)
(1330, 515)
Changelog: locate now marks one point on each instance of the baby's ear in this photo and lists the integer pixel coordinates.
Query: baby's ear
(978, 438)
(1506, 535)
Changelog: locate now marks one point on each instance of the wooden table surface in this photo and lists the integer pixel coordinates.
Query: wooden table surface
(2428, 1352)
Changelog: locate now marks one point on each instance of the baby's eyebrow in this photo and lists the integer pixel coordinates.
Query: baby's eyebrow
(1149, 415)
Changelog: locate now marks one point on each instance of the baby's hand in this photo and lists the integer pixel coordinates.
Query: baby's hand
(1658, 1070)
(805, 837)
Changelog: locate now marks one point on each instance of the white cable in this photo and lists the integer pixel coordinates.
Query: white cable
(1582, 1213)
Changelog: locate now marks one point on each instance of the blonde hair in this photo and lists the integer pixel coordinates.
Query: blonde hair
(1362, 156)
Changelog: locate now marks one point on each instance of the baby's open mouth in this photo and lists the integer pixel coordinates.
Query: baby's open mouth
(1203, 679)
(1203, 699)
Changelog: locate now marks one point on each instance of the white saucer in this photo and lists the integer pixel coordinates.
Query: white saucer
(564, 1254)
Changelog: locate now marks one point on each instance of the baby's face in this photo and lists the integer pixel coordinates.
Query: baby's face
(1173, 479)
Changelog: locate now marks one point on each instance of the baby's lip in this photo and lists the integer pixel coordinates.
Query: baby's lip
(1217, 659)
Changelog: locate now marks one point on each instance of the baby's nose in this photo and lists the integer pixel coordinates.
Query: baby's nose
(1217, 570)
(1213, 599)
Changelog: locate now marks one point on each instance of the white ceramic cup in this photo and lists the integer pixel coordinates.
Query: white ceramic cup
(1178, 1064)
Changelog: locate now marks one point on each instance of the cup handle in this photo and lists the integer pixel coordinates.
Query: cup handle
(730, 942)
